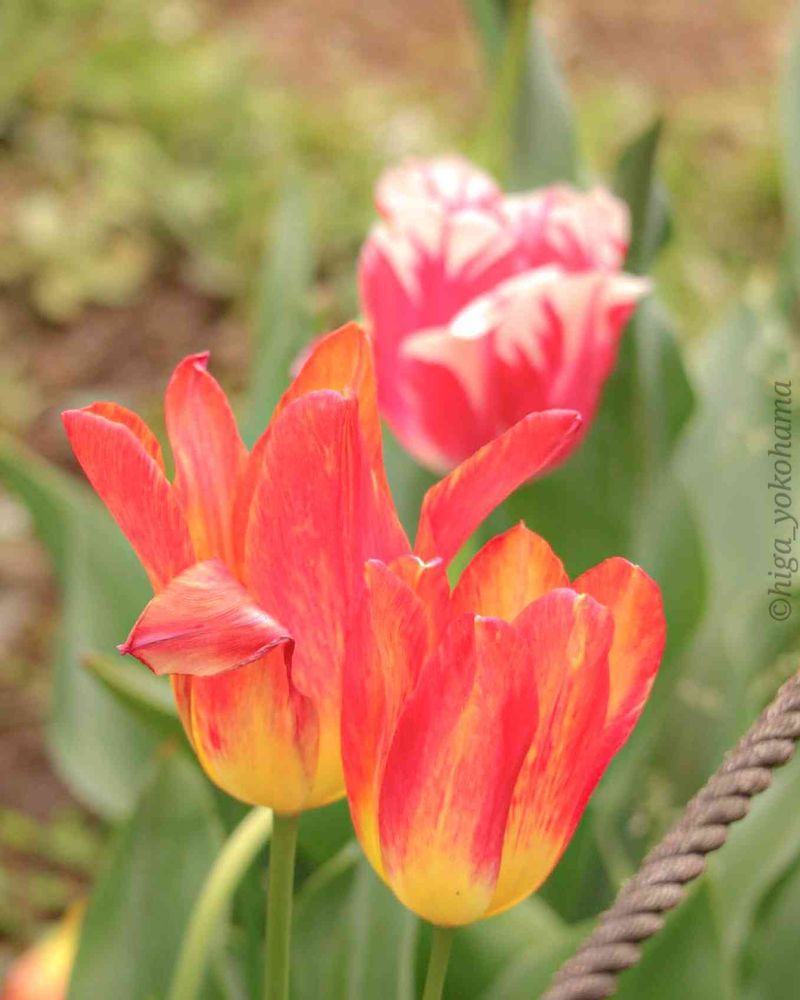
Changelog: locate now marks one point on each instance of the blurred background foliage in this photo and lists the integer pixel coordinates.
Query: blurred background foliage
(183, 175)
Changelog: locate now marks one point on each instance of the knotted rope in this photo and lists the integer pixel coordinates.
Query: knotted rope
(637, 913)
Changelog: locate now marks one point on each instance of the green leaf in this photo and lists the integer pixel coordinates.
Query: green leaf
(100, 748)
(544, 146)
(724, 470)
(772, 944)
(152, 704)
(139, 907)
(790, 107)
(283, 321)
(647, 198)
(482, 952)
(685, 960)
(489, 19)
(761, 850)
(362, 940)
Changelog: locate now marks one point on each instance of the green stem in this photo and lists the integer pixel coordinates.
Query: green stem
(232, 862)
(441, 944)
(279, 906)
(508, 80)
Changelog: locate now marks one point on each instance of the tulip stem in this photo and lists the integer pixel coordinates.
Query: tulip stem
(234, 859)
(441, 944)
(279, 905)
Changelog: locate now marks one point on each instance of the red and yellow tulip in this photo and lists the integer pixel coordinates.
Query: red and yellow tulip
(477, 722)
(257, 559)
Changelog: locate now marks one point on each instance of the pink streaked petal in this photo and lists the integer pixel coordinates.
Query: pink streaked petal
(449, 181)
(451, 771)
(204, 623)
(133, 487)
(209, 456)
(507, 574)
(578, 230)
(455, 506)
(634, 600)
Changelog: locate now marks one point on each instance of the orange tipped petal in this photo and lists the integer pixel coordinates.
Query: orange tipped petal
(507, 574)
(342, 361)
(567, 637)
(254, 733)
(203, 623)
(634, 600)
(120, 415)
(388, 647)
(429, 582)
(131, 484)
(451, 771)
(209, 456)
(455, 506)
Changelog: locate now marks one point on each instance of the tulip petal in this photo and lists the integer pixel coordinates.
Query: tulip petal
(255, 734)
(133, 487)
(507, 574)
(451, 771)
(341, 361)
(455, 506)
(429, 581)
(387, 649)
(634, 600)
(567, 637)
(203, 623)
(209, 456)
(120, 415)
(315, 518)
(449, 181)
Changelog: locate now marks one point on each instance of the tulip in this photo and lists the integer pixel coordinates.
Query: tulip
(485, 307)
(256, 559)
(43, 971)
(476, 723)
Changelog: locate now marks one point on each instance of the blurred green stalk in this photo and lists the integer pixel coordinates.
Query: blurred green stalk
(233, 861)
(441, 944)
(496, 146)
(279, 905)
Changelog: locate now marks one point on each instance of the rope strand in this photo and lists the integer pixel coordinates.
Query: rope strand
(659, 885)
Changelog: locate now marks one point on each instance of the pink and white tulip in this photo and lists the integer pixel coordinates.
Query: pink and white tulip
(484, 307)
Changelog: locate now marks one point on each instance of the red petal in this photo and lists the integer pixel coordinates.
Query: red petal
(120, 415)
(315, 518)
(451, 770)
(342, 361)
(203, 623)
(430, 583)
(209, 456)
(567, 637)
(509, 573)
(388, 646)
(131, 484)
(634, 600)
(454, 507)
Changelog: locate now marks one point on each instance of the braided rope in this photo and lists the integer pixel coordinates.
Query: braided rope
(637, 913)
